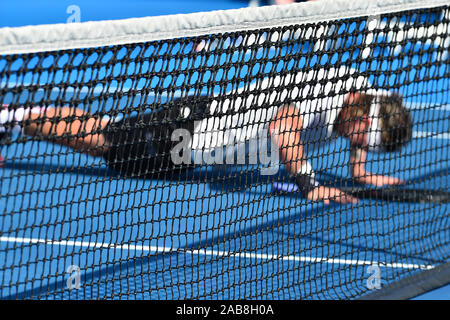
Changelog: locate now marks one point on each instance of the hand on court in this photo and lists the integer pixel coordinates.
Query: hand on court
(327, 195)
(377, 180)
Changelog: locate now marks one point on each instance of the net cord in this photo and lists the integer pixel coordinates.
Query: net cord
(30, 39)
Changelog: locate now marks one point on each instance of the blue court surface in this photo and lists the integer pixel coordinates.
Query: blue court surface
(219, 233)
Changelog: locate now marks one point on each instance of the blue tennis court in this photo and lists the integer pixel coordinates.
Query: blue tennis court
(221, 232)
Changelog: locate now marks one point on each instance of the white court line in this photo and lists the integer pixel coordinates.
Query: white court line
(425, 106)
(432, 135)
(213, 253)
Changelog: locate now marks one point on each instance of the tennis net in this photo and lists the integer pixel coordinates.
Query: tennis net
(94, 206)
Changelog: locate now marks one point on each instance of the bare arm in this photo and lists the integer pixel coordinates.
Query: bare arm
(285, 128)
(69, 127)
(358, 157)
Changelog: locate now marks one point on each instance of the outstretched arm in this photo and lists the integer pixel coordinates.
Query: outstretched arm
(358, 157)
(67, 126)
(285, 128)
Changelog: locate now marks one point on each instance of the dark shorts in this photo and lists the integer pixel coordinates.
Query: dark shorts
(140, 146)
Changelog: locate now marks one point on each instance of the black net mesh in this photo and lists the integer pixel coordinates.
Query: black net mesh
(93, 206)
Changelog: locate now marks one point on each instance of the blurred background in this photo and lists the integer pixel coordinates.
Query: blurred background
(29, 12)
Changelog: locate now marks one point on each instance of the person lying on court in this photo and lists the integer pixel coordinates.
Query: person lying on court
(371, 120)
